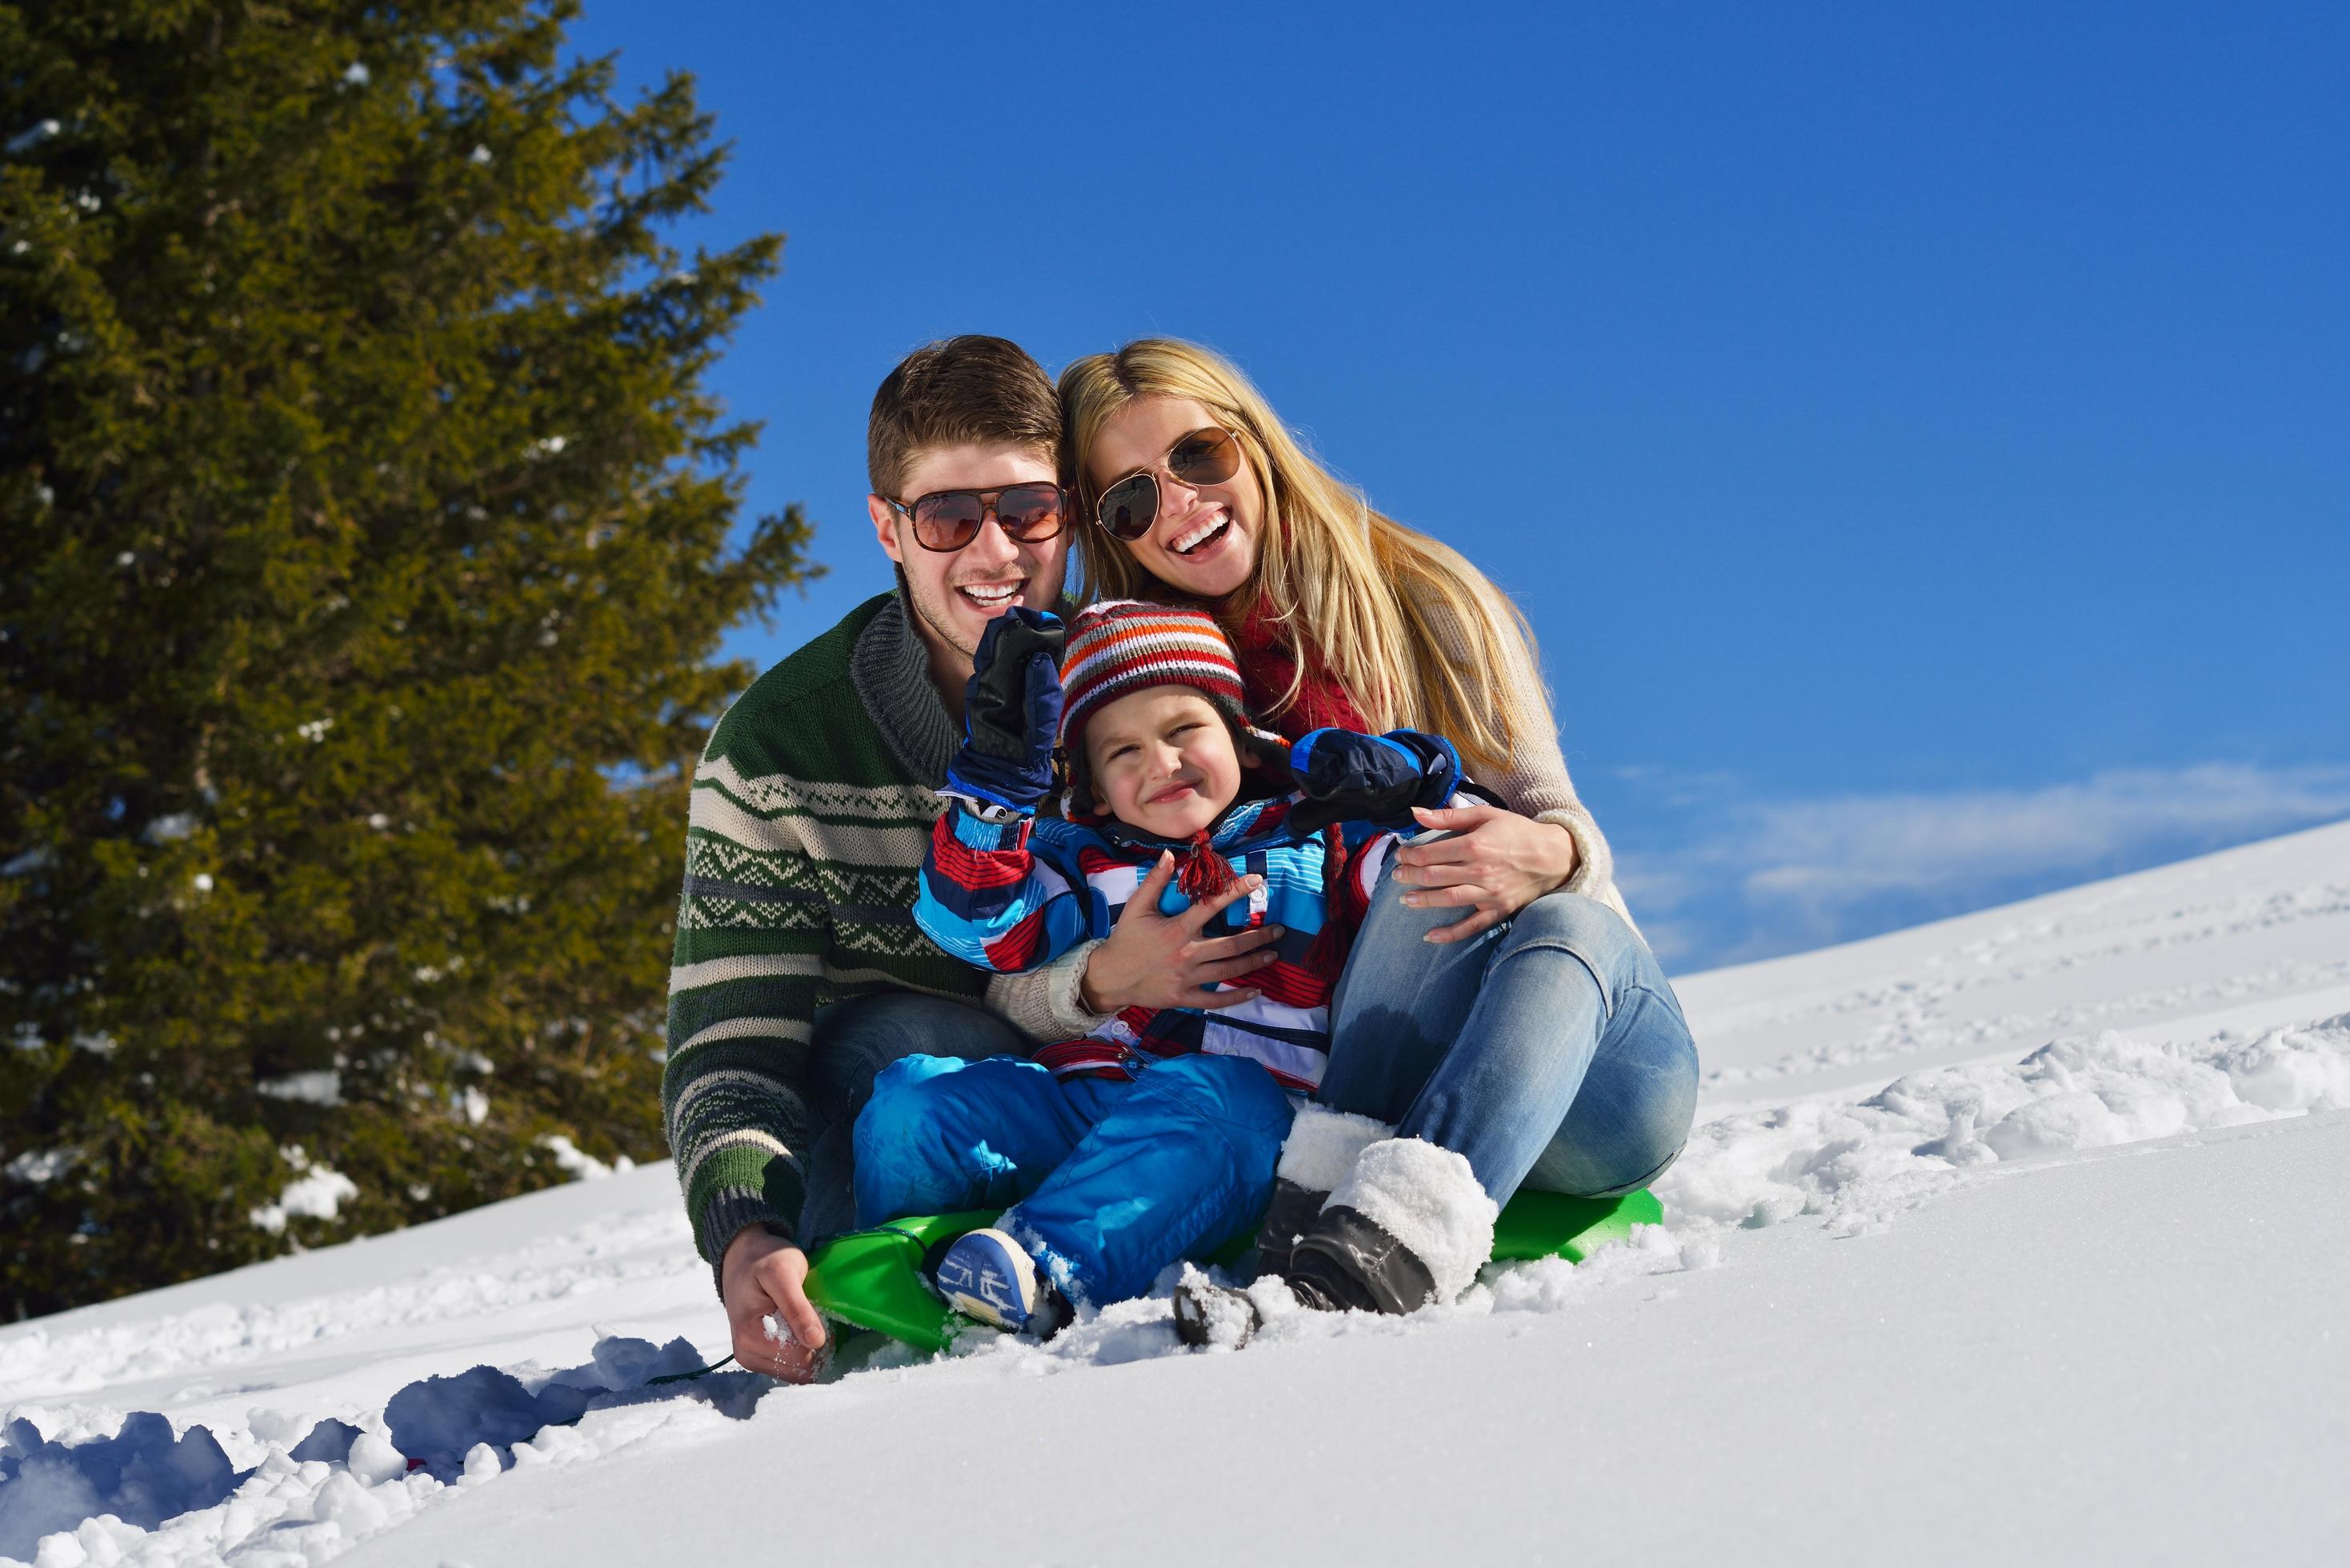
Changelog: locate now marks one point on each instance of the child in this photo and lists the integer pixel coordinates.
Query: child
(1156, 1136)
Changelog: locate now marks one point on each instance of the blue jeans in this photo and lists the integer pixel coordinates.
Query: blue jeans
(1105, 1181)
(1547, 1050)
(853, 1042)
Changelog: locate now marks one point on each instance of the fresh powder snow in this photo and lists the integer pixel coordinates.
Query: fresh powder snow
(2015, 1237)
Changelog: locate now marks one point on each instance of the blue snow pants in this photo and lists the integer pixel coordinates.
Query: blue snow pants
(1105, 1182)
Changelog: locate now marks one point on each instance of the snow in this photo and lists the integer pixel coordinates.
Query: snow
(583, 1166)
(1859, 1165)
(323, 1087)
(39, 1166)
(33, 136)
(2017, 1237)
(316, 1194)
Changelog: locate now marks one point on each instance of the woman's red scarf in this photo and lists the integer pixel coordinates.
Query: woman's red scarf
(1269, 662)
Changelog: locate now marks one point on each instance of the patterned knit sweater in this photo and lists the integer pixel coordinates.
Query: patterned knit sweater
(811, 810)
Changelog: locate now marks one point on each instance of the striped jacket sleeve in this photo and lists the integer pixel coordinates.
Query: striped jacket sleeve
(1369, 849)
(752, 930)
(1005, 896)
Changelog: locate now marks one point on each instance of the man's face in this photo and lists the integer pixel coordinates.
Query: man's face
(956, 594)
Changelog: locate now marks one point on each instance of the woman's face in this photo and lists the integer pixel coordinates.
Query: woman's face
(1203, 542)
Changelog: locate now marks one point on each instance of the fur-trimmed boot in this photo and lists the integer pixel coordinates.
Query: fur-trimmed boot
(1315, 1158)
(1408, 1226)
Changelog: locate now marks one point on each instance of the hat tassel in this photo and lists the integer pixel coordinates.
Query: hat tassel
(1205, 872)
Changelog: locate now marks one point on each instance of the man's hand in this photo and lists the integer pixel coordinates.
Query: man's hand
(762, 1276)
(1496, 861)
(1151, 960)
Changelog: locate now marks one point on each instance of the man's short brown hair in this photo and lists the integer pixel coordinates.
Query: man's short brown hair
(972, 390)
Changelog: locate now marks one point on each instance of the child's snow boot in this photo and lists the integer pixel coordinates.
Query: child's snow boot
(987, 1275)
(1315, 1158)
(1208, 1313)
(1408, 1226)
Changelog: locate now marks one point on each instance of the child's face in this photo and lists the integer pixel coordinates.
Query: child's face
(1163, 761)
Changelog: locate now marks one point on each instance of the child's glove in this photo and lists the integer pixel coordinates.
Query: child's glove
(1012, 710)
(1350, 777)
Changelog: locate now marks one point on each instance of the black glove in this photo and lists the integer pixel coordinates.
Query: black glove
(1350, 777)
(1011, 712)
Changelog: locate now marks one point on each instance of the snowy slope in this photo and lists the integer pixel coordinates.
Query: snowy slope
(2066, 1291)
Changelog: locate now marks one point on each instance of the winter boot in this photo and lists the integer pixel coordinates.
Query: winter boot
(1316, 1156)
(1408, 1226)
(987, 1275)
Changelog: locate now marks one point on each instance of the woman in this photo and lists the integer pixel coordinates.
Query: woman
(1533, 1034)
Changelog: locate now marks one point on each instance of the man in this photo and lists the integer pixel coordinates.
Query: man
(799, 972)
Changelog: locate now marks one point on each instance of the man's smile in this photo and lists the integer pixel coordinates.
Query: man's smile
(993, 595)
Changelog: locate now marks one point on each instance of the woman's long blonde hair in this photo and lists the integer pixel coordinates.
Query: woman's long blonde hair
(1351, 586)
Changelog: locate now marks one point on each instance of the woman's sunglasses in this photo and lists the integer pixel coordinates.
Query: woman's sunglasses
(1128, 509)
(947, 520)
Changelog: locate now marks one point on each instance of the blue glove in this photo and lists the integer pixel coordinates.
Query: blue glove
(1350, 777)
(1012, 710)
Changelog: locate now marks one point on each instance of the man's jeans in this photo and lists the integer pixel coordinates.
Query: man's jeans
(1547, 1050)
(854, 1041)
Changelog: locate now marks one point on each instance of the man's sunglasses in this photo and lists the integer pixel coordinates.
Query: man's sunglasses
(947, 520)
(1128, 508)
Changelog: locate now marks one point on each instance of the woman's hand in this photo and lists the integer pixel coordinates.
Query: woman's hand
(1150, 959)
(1496, 861)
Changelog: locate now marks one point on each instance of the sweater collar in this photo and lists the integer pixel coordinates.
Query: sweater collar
(891, 671)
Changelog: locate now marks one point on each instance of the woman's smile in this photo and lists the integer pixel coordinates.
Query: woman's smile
(1203, 542)
(1203, 533)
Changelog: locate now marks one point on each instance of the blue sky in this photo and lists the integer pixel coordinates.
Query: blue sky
(1919, 436)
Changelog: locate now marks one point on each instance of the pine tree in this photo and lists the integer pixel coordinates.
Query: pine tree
(364, 547)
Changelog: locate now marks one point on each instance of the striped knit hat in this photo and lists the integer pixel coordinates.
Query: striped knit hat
(1123, 645)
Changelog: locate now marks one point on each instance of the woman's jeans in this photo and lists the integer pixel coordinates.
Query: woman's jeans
(1548, 1050)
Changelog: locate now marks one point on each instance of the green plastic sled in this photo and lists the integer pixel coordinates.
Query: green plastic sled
(1551, 1225)
(873, 1279)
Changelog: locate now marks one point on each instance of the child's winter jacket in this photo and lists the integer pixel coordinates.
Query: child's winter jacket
(1011, 895)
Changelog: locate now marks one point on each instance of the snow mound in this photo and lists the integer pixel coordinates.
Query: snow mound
(142, 1475)
(1860, 1165)
(145, 1494)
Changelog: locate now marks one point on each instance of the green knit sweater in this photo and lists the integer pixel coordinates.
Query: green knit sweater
(812, 806)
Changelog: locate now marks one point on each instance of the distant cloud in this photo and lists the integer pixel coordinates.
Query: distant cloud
(1761, 877)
